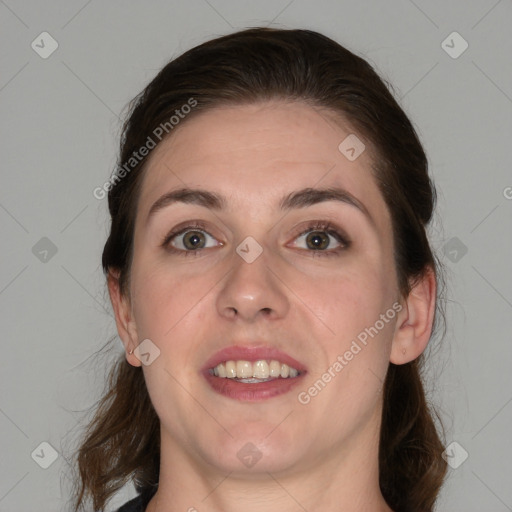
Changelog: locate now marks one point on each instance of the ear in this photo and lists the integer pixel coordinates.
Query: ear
(126, 327)
(415, 321)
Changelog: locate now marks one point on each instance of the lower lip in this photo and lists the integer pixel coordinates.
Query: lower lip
(251, 392)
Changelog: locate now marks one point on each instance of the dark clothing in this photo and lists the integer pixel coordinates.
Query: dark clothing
(140, 502)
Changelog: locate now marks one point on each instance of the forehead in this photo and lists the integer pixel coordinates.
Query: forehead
(254, 153)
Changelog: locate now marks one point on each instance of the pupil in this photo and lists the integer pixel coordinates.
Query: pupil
(318, 240)
(193, 240)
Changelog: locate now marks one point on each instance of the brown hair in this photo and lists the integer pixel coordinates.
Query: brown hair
(122, 442)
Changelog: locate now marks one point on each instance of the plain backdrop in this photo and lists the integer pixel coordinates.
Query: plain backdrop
(450, 65)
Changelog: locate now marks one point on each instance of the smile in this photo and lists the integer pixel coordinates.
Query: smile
(254, 372)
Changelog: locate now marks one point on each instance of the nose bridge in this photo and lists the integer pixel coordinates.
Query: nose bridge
(251, 288)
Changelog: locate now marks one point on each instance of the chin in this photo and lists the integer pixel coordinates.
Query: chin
(252, 454)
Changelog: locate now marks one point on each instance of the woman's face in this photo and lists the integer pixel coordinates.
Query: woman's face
(271, 283)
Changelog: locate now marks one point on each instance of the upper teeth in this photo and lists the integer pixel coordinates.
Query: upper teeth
(261, 369)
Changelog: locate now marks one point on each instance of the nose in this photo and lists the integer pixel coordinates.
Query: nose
(253, 290)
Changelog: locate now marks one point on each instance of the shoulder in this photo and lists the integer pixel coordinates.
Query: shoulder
(139, 503)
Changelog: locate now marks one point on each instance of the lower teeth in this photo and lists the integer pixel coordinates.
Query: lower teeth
(253, 380)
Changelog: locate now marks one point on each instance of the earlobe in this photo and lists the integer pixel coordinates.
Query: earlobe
(415, 321)
(125, 323)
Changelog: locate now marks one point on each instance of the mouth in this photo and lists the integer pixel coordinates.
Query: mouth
(252, 374)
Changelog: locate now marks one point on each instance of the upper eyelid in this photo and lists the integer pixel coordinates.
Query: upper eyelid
(315, 225)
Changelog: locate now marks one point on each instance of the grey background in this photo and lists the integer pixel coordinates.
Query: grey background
(59, 129)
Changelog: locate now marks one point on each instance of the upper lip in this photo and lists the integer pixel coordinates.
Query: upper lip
(252, 353)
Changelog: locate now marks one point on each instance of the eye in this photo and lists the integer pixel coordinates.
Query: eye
(323, 238)
(318, 239)
(189, 239)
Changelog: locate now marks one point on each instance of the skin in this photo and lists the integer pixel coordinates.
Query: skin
(322, 455)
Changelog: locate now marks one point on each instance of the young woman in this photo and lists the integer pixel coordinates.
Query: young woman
(273, 286)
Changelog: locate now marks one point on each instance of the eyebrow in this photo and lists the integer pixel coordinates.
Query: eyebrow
(299, 199)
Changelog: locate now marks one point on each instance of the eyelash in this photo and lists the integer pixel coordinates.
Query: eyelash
(322, 226)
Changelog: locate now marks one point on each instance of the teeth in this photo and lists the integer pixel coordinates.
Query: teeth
(275, 369)
(221, 371)
(260, 370)
(254, 372)
(252, 381)
(243, 369)
(230, 369)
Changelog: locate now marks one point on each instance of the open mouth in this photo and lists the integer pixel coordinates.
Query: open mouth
(254, 372)
(251, 381)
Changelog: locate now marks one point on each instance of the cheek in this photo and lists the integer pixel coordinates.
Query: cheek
(165, 301)
(166, 312)
(347, 301)
(355, 328)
